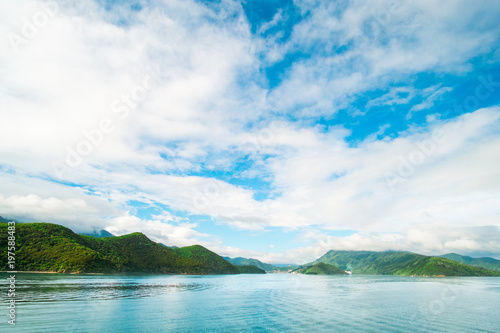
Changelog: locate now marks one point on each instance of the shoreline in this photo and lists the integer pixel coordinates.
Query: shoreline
(120, 273)
(48, 272)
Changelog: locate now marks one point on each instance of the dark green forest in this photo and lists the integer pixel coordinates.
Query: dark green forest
(54, 248)
(400, 263)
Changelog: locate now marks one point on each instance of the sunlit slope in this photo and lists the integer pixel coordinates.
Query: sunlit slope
(54, 248)
(250, 261)
(320, 268)
(400, 263)
(216, 263)
(485, 262)
(250, 269)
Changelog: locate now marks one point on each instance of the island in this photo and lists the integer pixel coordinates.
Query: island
(46, 247)
(320, 269)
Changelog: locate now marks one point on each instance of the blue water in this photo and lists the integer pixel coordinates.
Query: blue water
(252, 303)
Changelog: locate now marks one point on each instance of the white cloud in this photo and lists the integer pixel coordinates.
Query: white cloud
(396, 95)
(384, 43)
(157, 230)
(68, 211)
(429, 95)
(66, 79)
(455, 182)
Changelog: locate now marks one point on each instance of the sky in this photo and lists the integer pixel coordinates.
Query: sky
(277, 130)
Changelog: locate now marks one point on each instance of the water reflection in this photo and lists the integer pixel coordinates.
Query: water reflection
(266, 303)
(46, 287)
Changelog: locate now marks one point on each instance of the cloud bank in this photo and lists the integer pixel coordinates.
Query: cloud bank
(319, 118)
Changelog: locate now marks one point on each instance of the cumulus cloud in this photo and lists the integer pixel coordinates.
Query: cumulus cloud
(382, 44)
(158, 230)
(169, 105)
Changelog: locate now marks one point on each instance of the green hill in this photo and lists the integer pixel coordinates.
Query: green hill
(485, 262)
(250, 269)
(400, 263)
(137, 253)
(320, 268)
(51, 247)
(286, 268)
(216, 263)
(249, 261)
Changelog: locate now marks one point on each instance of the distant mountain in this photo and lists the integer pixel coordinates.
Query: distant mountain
(98, 234)
(283, 265)
(212, 260)
(320, 268)
(250, 269)
(286, 268)
(170, 247)
(51, 247)
(484, 262)
(250, 261)
(400, 263)
(3, 220)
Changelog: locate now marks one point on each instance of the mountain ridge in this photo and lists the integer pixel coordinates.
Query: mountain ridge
(250, 261)
(400, 263)
(484, 262)
(250, 269)
(320, 268)
(54, 248)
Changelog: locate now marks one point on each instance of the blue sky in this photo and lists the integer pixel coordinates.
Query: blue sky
(270, 129)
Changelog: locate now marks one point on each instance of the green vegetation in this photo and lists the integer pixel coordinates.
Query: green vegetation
(485, 262)
(250, 261)
(48, 247)
(212, 260)
(54, 248)
(137, 253)
(286, 268)
(249, 269)
(400, 263)
(320, 269)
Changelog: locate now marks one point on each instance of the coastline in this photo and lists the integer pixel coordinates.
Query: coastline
(48, 272)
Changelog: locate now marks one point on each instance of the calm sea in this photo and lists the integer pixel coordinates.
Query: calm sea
(251, 303)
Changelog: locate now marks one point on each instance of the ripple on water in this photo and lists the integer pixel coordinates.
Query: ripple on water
(100, 291)
(270, 303)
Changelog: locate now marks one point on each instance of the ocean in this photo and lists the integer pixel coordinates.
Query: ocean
(250, 303)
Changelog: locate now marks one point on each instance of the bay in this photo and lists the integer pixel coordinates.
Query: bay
(251, 303)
